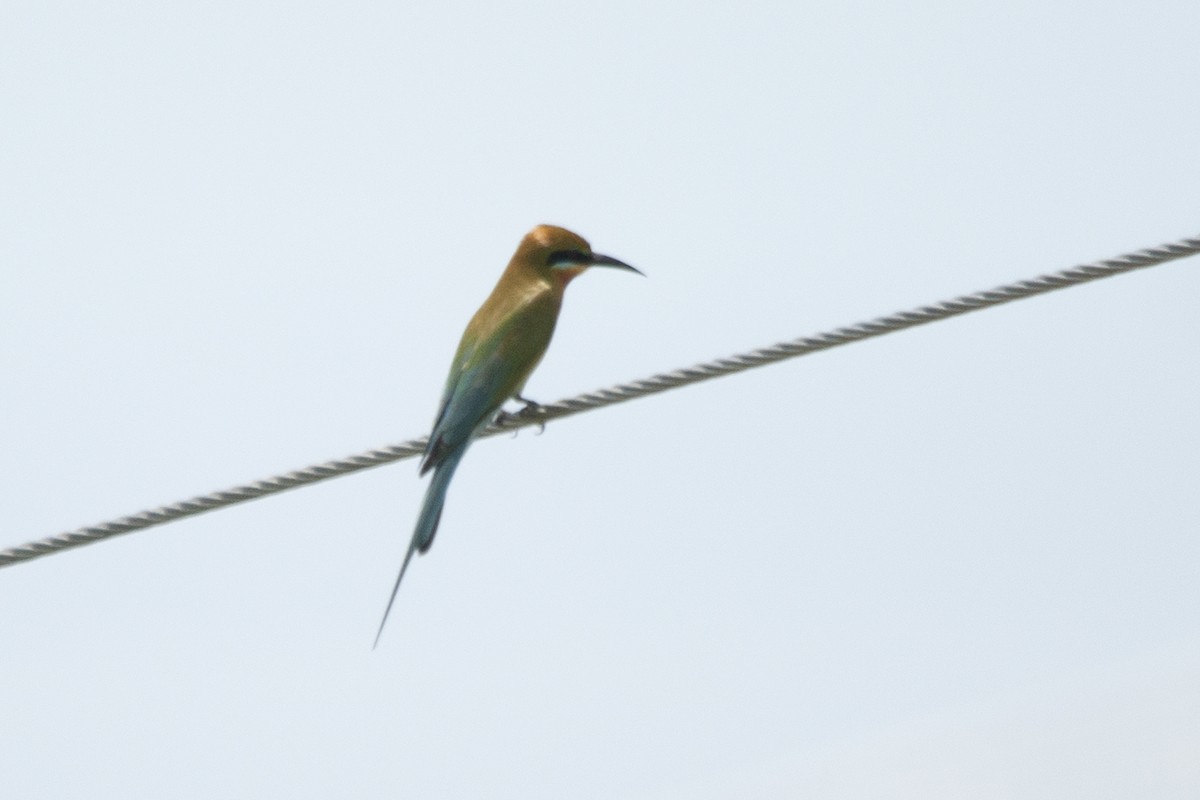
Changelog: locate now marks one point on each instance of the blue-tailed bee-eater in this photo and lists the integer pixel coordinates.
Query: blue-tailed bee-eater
(501, 346)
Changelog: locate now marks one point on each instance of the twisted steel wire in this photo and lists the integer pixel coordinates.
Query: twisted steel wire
(604, 397)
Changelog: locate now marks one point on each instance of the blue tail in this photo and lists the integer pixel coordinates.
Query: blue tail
(427, 522)
(435, 498)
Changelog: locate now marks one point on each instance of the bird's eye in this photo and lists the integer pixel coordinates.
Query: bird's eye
(567, 258)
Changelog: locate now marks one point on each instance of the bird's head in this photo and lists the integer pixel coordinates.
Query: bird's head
(559, 254)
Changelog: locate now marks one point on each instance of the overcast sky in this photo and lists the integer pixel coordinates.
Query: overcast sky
(960, 561)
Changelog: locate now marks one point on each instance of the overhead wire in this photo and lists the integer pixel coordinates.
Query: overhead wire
(542, 414)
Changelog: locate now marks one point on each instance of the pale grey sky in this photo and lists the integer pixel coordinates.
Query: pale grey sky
(240, 238)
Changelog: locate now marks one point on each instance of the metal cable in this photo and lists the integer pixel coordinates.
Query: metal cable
(616, 394)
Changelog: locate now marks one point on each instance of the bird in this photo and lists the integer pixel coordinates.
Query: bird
(500, 348)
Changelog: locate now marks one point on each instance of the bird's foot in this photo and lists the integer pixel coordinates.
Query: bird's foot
(503, 418)
(531, 407)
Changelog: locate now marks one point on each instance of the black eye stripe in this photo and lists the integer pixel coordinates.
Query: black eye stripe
(567, 257)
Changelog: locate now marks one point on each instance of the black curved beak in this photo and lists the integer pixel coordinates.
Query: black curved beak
(608, 261)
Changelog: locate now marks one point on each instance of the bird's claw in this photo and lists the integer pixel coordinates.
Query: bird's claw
(503, 418)
(531, 407)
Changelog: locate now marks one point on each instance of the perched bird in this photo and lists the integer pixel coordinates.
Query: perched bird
(502, 344)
